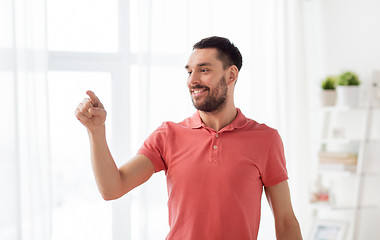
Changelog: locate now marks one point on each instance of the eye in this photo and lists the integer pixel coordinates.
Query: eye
(204, 70)
(189, 72)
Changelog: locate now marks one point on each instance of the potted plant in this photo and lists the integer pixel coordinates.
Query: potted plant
(328, 95)
(348, 89)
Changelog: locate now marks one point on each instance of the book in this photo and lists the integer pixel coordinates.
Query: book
(338, 158)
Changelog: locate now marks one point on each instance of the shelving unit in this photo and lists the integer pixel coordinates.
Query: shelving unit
(357, 145)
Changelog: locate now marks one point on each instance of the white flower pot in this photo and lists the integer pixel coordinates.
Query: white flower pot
(347, 96)
(328, 97)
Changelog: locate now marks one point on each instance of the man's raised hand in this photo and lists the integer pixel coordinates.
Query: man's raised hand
(90, 112)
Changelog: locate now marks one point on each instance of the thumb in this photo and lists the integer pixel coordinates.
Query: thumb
(94, 99)
(95, 111)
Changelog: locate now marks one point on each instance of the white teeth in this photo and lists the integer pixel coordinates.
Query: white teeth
(198, 91)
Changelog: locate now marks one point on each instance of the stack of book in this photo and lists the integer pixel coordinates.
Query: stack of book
(338, 161)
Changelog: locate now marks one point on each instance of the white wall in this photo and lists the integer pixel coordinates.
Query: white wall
(351, 35)
(342, 35)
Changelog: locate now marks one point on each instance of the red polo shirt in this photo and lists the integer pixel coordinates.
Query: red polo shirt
(215, 179)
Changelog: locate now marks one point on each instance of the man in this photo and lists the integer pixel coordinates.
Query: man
(216, 162)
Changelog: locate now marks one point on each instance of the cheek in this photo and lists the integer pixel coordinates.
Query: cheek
(189, 82)
(209, 80)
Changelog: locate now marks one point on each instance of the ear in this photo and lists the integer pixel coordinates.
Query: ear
(233, 74)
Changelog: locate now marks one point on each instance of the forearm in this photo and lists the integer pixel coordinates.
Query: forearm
(289, 230)
(106, 173)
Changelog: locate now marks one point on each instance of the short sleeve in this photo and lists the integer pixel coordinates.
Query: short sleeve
(154, 148)
(275, 166)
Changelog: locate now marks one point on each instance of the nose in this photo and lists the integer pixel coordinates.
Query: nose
(193, 79)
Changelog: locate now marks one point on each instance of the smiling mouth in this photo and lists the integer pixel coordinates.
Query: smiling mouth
(198, 91)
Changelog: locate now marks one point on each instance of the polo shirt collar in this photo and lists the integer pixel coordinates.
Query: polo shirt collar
(239, 122)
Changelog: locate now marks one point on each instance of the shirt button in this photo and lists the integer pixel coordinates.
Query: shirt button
(215, 147)
(217, 135)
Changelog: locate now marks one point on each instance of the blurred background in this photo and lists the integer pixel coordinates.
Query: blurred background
(132, 54)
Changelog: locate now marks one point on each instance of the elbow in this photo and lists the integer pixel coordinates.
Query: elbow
(111, 196)
(289, 229)
(112, 192)
(108, 197)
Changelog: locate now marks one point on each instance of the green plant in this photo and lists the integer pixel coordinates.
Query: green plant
(329, 83)
(348, 79)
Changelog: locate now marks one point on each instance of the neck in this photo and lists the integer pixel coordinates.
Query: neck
(220, 118)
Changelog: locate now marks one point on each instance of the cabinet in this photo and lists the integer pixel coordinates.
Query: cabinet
(347, 167)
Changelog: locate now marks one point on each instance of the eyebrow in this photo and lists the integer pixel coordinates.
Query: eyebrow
(200, 65)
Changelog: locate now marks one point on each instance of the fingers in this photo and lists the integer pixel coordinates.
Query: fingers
(95, 111)
(84, 107)
(90, 112)
(94, 99)
(81, 117)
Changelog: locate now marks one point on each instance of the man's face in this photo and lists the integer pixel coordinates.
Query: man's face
(207, 81)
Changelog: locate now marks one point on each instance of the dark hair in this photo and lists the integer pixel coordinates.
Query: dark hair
(228, 53)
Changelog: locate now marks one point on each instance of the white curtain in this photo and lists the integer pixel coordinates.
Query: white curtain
(27, 154)
(271, 89)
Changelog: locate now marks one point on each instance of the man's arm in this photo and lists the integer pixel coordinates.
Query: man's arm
(287, 226)
(112, 182)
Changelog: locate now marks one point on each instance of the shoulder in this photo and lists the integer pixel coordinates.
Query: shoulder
(252, 125)
(247, 124)
(170, 126)
(265, 134)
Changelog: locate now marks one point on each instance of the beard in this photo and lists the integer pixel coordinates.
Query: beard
(215, 99)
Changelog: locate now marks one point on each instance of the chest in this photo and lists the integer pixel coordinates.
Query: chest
(202, 158)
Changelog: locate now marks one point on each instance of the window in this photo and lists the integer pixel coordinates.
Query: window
(8, 167)
(83, 25)
(5, 27)
(77, 204)
(83, 43)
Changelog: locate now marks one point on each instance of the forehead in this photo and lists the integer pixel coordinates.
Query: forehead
(202, 56)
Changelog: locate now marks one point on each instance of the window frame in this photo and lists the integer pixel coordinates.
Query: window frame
(118, 64)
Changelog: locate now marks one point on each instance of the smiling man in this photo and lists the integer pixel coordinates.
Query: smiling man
(217, 162)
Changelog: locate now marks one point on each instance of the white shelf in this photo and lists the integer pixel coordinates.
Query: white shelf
(342, 109)
(357, 170)
(340, 141)
(347, 109)
(344, 173)
(343, 141)
(329, 206)
(336, 172)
